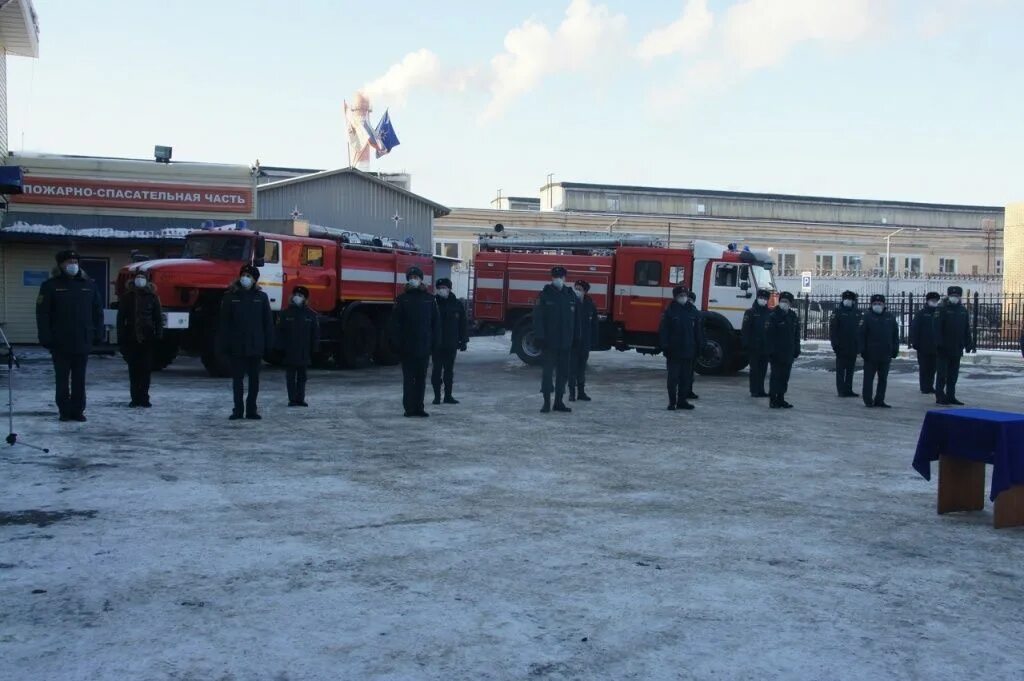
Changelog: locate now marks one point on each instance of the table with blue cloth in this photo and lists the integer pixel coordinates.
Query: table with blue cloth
(963, 441)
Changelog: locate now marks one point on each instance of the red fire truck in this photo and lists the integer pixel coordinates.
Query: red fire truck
(631, 283)
(352, 282)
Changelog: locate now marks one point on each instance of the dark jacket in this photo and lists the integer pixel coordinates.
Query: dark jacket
(139, 317)
(782, 331)
(922, 330)
(753, 332)
(554, 318)
(587, 324)
(69, 314)
(415, 326)
(246, 323)
(298, 335)
(879, 339)
(953, 330)
(843, 329)
(454, 325)
(681, 331)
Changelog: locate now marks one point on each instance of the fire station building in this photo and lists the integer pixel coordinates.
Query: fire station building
(110, 210)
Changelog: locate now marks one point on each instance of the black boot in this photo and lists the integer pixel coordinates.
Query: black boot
(581, 395)
(547, 404)
(448, 399)
(683, 404)
(560, 405)
(572, 393)
(437, 394)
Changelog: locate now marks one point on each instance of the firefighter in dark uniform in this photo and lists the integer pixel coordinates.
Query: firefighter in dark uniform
(755, 342)
(681, 334)
(140, 324)
(782, 331)
(69, 319)
(952, 338)
(246, 333)
(454, 338)
(879, 344)
(298, 337)
(843, 328)
(554, 333)
(922, 339)
(700, 350)
(586, 335)
(415, 334)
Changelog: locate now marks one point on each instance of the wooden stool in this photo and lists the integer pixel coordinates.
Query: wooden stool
(961, 484)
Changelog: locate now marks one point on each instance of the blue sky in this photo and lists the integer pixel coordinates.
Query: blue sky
(916, 100)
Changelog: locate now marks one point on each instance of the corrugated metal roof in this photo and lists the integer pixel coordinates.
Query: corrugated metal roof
(439, 210)
(19, 28)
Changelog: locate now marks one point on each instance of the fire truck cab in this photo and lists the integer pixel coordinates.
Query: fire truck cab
(631, 284)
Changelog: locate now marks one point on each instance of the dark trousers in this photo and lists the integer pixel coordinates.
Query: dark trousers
(680, 379)
(758, 370)
(948, 370)
(871, 369)
(926, 365)
(414, 383)
(578, 368)
(240, 368)
(140, 365)
(443, 370)
(69, 368)
(556, 364)
(846, 365)
(778, 382)
(295, 379)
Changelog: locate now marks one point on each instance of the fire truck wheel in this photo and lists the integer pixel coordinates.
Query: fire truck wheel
(358, 342)
(717, 355)
(215, 362)
(522, 343)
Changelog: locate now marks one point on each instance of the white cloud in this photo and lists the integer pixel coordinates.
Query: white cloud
(687, 34)
(419, 69)
(533, 52)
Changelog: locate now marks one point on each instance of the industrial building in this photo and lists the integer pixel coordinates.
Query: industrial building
(842, 242)
(19, 37)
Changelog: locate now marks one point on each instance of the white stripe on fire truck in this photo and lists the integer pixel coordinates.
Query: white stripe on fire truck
(489, 283)
(534, 285)
(644, 291)
(377, 276)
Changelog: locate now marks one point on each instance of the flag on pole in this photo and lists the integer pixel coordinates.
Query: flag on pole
(385, 135)
(361, 137)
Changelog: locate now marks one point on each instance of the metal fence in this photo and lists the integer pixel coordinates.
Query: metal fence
(996, 319)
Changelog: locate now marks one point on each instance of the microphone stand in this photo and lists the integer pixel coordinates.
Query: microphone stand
(12, 360)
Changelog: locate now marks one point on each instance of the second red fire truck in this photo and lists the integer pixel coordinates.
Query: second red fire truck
(631, 284)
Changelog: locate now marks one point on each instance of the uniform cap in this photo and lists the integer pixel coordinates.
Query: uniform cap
(443, 281)
(691, 295)
(413, 272)
(251, 270)
(302, 291)
(64, 256)
(558, 271)
(954, 291)
(786, 295)
(932, 295)
(678, 291)
(583, 284)
(849, 295)
(878, 298)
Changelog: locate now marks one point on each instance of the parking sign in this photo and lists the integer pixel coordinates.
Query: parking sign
(805, 282)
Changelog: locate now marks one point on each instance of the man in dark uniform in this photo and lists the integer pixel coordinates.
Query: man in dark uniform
(922, 339)
(681, 334)
(879, 344)
(586, 336)
(782, 331)
(454, 338)
(140, 324)
(843, 328)
(298, 337)
(700, 350)
(415, 333)
(246, 333)
(69, 319)
(755, 342)
(554, 333)
(952, 337)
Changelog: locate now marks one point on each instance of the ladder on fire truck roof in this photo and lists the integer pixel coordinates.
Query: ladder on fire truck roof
(568, 242)
(363, 241)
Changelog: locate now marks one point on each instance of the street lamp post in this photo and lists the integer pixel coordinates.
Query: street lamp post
(888, 271)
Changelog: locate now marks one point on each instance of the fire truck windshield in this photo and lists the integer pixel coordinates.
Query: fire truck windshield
(217, 247)
(763, 278)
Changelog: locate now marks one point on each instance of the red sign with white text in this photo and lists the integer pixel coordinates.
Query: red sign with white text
(66, 191)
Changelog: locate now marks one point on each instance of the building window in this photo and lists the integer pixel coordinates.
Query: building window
(787, 264)
(312, 256)
(701, 209)
(647, 273)
(676, 274)
(447, 249)
(999, 265)
(912, 265)
(824, 263)
(974, 270)
(613, 203)
(853, 263)
(947, 265)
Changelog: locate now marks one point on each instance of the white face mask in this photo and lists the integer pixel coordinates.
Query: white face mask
(299, 300)
(682, 300)
(784, 306)
(414, 282)
(954, 300)
(933, 303)
(762, 301)
(140, 282)
(443, 292)
(71, 269)
(579, 294)
(877, 309)
(246, 281)
(558, 282)
(847, 303)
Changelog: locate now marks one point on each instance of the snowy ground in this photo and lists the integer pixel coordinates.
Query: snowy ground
(492, 542)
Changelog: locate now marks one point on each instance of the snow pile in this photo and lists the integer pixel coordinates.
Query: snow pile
(100, 232)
